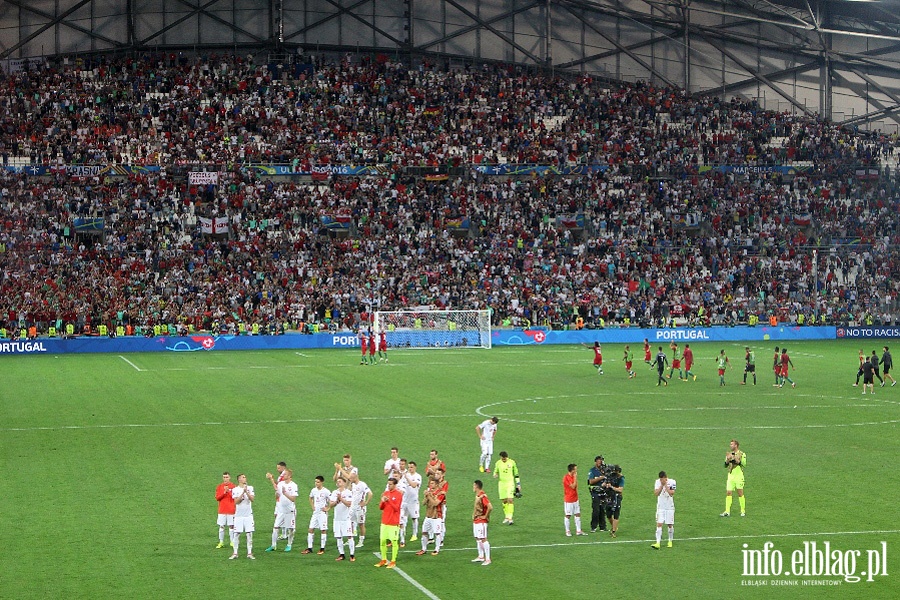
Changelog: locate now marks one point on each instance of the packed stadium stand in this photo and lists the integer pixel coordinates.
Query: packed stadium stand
(640, 204)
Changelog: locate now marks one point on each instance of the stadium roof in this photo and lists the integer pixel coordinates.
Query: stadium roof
(838, 58)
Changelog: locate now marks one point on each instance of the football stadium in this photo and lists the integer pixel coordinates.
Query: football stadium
(449, 298)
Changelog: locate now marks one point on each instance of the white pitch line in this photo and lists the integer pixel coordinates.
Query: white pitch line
(513, 417)
(221, 423)
(405, 576)
(301, 354)
(136, 368)
(710, 428)
(353, 365)
(687, 539)
(698, 408)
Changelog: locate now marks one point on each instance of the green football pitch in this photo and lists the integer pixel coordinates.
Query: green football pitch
(110, 465)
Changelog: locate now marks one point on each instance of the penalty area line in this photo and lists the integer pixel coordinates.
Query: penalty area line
(134, 366)
(687, 539)
(414, 583)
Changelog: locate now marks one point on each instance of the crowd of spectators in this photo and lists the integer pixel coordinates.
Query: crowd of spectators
(663, 235)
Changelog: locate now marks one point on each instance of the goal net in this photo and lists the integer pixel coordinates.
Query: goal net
(435, 328)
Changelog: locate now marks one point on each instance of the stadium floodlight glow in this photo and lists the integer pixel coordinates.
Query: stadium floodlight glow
(428, 328)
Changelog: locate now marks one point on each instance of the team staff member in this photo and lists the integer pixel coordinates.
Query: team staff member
(735, 461)
(391, 499)
(628, 359)
(660, 363)
(226, 508)
(888, 363)
(596, 479)
(508, 486)
(868, 370)
(750, 364)
(722, 363)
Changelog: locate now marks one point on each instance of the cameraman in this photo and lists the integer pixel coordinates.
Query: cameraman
(615, 484)
(596, 479)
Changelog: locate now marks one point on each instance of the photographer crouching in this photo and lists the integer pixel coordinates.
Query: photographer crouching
(596, 478)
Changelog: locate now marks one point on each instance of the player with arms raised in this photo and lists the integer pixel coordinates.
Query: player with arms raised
(598, 356)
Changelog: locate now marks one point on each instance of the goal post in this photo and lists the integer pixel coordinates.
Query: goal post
(435, 328)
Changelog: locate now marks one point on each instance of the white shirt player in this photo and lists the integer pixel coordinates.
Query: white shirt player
(410, 491)
(341, 510)
(243, 507)
(488, 430)
(320, 498)
(665, 501)
(286, 505)
(360, 490)
(392, 468)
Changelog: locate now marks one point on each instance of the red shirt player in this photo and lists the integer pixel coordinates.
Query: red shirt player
(676, 360)
(598, 356)
(373, 346)
(776, 366)
(434, 463)
(570, 486)
(570, 499)
(647, 358)
(785, 362)
(382, 346)
(226, 507)
(364, 346)
(688, 362)
(480, 517)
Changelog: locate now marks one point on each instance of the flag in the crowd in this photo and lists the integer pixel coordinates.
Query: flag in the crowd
(215, 226)
(460, 223)
(437, 175)
(802, 219)
(320, 173)
(432, 110)
(341, 221)
(571, 221)
(686, 220)
(89, 224)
